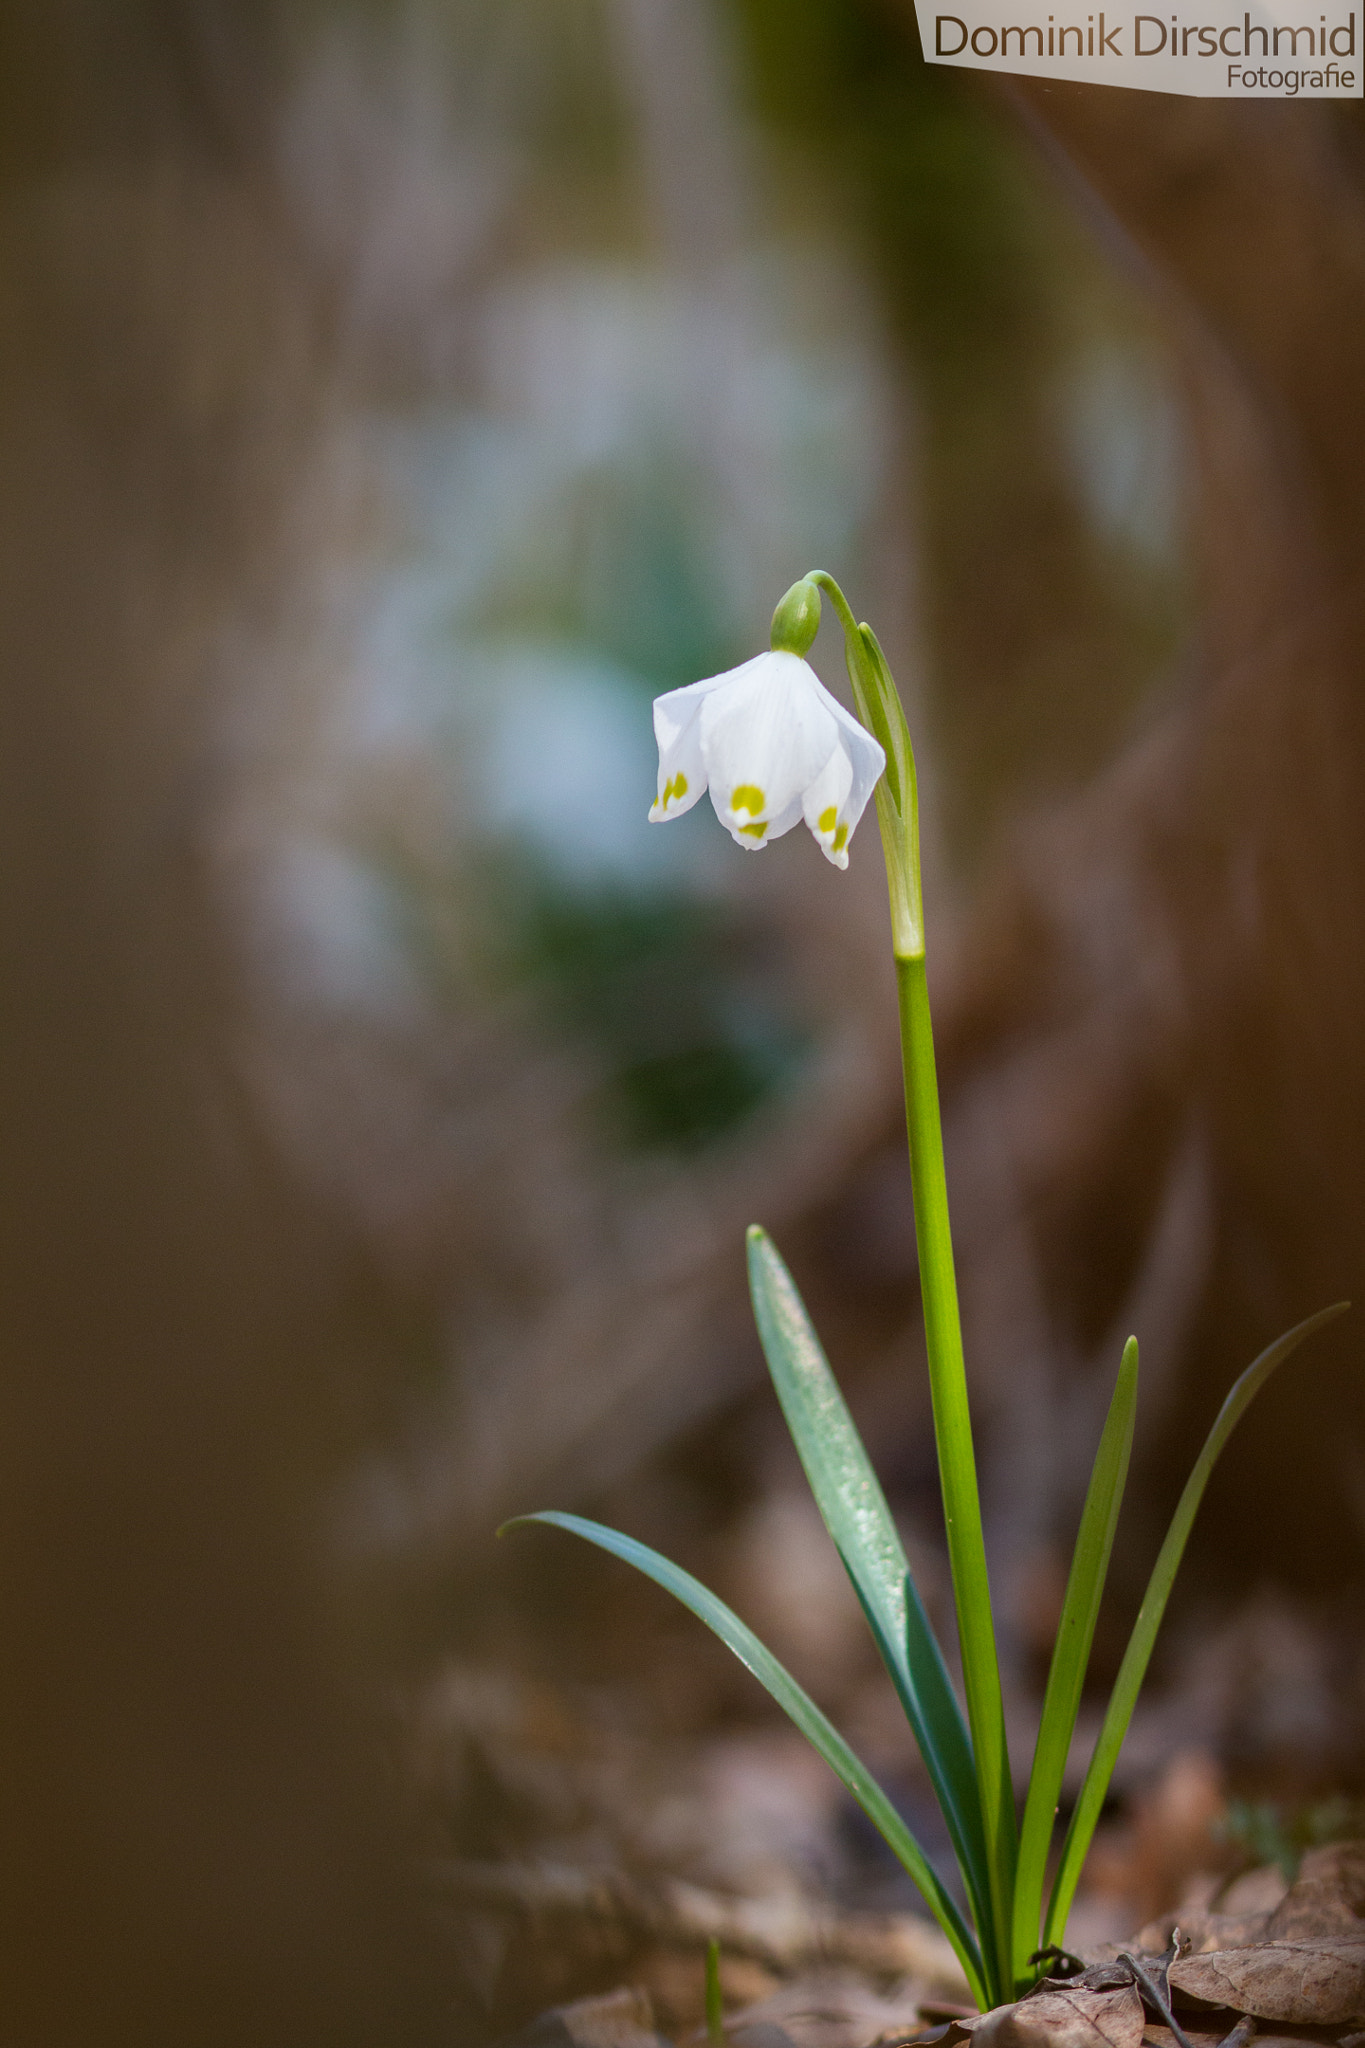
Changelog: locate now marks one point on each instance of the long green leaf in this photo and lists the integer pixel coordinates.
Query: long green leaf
(818, 1731)
(1071, 1654)
(859, 1521)
(1135, 1660)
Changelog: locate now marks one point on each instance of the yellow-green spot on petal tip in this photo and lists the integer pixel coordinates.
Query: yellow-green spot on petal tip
(676, 788)
(753, 831)
(827, 819)
(841, 839)
(748, 797)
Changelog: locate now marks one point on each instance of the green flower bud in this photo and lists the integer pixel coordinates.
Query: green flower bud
(797, 619)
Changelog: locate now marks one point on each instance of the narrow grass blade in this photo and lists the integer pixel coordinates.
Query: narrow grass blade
(715, 2004)
(1071, 1654)
(1135, 1660)
(858, 1519)
(818, 1731)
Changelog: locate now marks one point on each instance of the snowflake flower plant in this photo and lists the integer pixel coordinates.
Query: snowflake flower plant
(773, 747)
(771, 744)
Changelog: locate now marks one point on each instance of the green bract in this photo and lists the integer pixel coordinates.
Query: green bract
(1002, 1859)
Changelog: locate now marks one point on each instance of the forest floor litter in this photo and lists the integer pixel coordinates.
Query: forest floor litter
(1276, 1965)
(587, 1857)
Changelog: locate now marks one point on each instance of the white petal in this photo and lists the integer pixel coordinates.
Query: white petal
(866, 759)
(764, 737)
(824, 807)
(784, 820)
(835, 802)
(677, 728)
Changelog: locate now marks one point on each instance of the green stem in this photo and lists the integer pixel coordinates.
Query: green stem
(881, 711)
(957, 1464)
(836, 597)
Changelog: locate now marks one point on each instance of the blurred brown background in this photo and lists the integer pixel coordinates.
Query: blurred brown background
(393, 399)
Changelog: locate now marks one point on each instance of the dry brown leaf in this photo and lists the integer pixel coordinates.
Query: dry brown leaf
(1157, 2036)
(1219, 2037)
(1328, 1898)
(1299, 2039)
(1072, 2017)
(1208, 1931)
(620, 2019)
(1223, 2032)
(1243, 1913)
(1200, 1931)
(824, 2010)
(1308, 1983)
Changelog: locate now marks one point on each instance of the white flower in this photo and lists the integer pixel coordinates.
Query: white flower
(773, 747)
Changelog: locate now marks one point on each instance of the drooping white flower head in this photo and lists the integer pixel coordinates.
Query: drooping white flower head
(773, 747)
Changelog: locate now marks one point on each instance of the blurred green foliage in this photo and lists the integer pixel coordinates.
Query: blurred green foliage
(1055, 585)
(666, 994)
(663, 989)
(1272, 1831)
(600, 502)
(618, 566)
